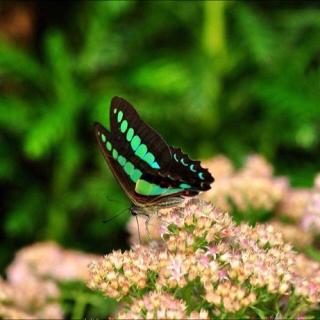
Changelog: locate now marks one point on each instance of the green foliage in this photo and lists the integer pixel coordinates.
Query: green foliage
(243, 76)
(78, 301)
(193, 294)
(252, 216)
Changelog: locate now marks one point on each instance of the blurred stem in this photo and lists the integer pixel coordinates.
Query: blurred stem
(66, 165)
(214, 28)
(215, 66)
(57, 222)
(79, 308)
(313, 253)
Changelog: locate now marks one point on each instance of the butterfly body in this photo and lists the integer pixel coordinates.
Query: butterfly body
(152, 174)
(148, 209)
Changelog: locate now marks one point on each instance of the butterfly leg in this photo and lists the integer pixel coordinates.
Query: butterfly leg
(147, 228)
(136, 211)
(138, 230)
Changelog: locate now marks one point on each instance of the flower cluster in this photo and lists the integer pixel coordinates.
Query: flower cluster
(8, 309)
(302, 208)
(230, 267)
(41, 259)
(251, 188)
(311, 219)
(22, 296)
(253, 193)
(119, 272)
(293, 234)
(294, 203)
(221, 166)
(308, 281)
(31, 289)
(155, 305)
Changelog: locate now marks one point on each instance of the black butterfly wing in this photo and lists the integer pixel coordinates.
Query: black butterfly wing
(140, 186)
(146, 144)
(189, 170)
(185, 175)
(126, 173)
(145, 166)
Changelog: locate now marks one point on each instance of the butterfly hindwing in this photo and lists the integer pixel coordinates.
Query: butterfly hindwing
(186, 176)
(188, 170)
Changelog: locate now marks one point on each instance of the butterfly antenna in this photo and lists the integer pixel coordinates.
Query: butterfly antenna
(116, 215)
(112, 200)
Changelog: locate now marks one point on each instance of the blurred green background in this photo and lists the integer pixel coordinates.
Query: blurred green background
(212, 77)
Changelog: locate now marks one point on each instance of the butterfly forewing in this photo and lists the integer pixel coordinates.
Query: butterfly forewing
(145, 143)
(123, 169)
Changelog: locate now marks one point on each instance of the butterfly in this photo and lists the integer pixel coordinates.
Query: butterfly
(151, 173)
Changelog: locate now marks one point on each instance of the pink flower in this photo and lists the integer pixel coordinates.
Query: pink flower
(176, 267)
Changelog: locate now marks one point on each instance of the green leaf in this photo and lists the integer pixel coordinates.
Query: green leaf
(18, 64)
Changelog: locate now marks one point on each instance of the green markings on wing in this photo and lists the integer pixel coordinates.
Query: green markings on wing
(191, 167)
(122, 161)
(138, 147)
(124, 126)
(130, 134)
(114, 154)
(119, 116)
(185, 186)
(201, 176)
(128, 167)
(135, 142)
(141, 151)
(147, 188)
(142, 187)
